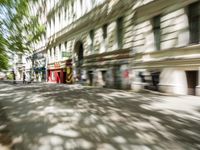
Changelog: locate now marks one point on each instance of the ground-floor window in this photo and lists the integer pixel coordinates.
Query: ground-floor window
(104, 74)
(192, 81)
(90, 77)
(151, 79)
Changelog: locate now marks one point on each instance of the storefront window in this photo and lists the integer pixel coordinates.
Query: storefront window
(53, 75)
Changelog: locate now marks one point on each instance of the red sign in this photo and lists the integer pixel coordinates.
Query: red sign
(57, 65)
(126, 74)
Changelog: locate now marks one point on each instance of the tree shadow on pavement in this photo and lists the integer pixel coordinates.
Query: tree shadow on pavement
(59, 117)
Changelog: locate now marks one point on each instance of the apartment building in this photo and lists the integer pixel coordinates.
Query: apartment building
(38, 58)
(166, 47)
(18, 62)
(90, 41)
(138, 44)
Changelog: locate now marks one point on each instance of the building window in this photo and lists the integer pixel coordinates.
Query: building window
(65, 53)
(49, 54)
(105, 31)
(104, 41)
(156, 31)
(59, 17)
(81, 6)
(54, 24)
(194, 22)
(73, 11)
(66, 13)
(60, 52)
(48, 28)
(91, 34)
(65, 45)
(120, 32)
(51, 27)
(54, 53)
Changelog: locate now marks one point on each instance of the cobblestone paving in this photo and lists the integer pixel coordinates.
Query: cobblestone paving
(62, 117)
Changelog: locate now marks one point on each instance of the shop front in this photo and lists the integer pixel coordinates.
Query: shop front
(40, 73)
(60, 72)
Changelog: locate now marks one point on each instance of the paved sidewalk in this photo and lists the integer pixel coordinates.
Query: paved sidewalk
(68, 117)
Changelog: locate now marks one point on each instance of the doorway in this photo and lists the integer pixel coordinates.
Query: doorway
(192, 81)
(90, 76)
(58, 78)
(79, 56)
(117, 77)
(155, 80)
(103, 73)
(64, 77)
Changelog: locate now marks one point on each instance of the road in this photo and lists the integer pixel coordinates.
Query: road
(62, 117)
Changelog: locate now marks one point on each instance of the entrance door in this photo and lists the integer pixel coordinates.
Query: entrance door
(64, 77)
(155, 80)
(117, 77)
(79, 51)
(104, 77)
(90, 75)
(58, 78)
(192, 81)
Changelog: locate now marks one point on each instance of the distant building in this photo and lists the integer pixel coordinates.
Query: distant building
(17, 64)
(39, 65)
(38, 58)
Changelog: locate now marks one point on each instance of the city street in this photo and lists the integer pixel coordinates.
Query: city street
(43, 116)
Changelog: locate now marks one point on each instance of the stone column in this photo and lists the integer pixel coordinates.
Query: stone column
(100, 81)
(110, 78)
(198, 86)
(125, 80)
(173, 80)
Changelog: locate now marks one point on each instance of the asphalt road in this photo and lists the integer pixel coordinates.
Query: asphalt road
(62, 117)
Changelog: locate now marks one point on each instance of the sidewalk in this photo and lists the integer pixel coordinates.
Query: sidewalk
(18, 81)
(58, 116)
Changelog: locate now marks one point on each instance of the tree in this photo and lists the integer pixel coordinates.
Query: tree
(19, 29)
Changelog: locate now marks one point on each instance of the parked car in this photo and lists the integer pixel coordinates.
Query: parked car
(2, 76)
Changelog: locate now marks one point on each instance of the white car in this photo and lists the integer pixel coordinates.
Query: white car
(2, 75)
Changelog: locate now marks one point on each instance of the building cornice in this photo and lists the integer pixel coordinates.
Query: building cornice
(190, 63)
(103, 64)
(106, 58)
(182, 56)
(120, 51)
(38, 50)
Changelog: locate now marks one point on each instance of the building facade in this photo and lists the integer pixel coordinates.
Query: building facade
(166, 47)
(138, 44)
(90, 41)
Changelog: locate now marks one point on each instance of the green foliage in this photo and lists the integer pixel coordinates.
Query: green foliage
(3, 55)
(18, 29)
(10, 76)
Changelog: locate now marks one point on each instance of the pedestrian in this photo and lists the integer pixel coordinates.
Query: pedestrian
(37, 77)
(24, 78)
(14, 78)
